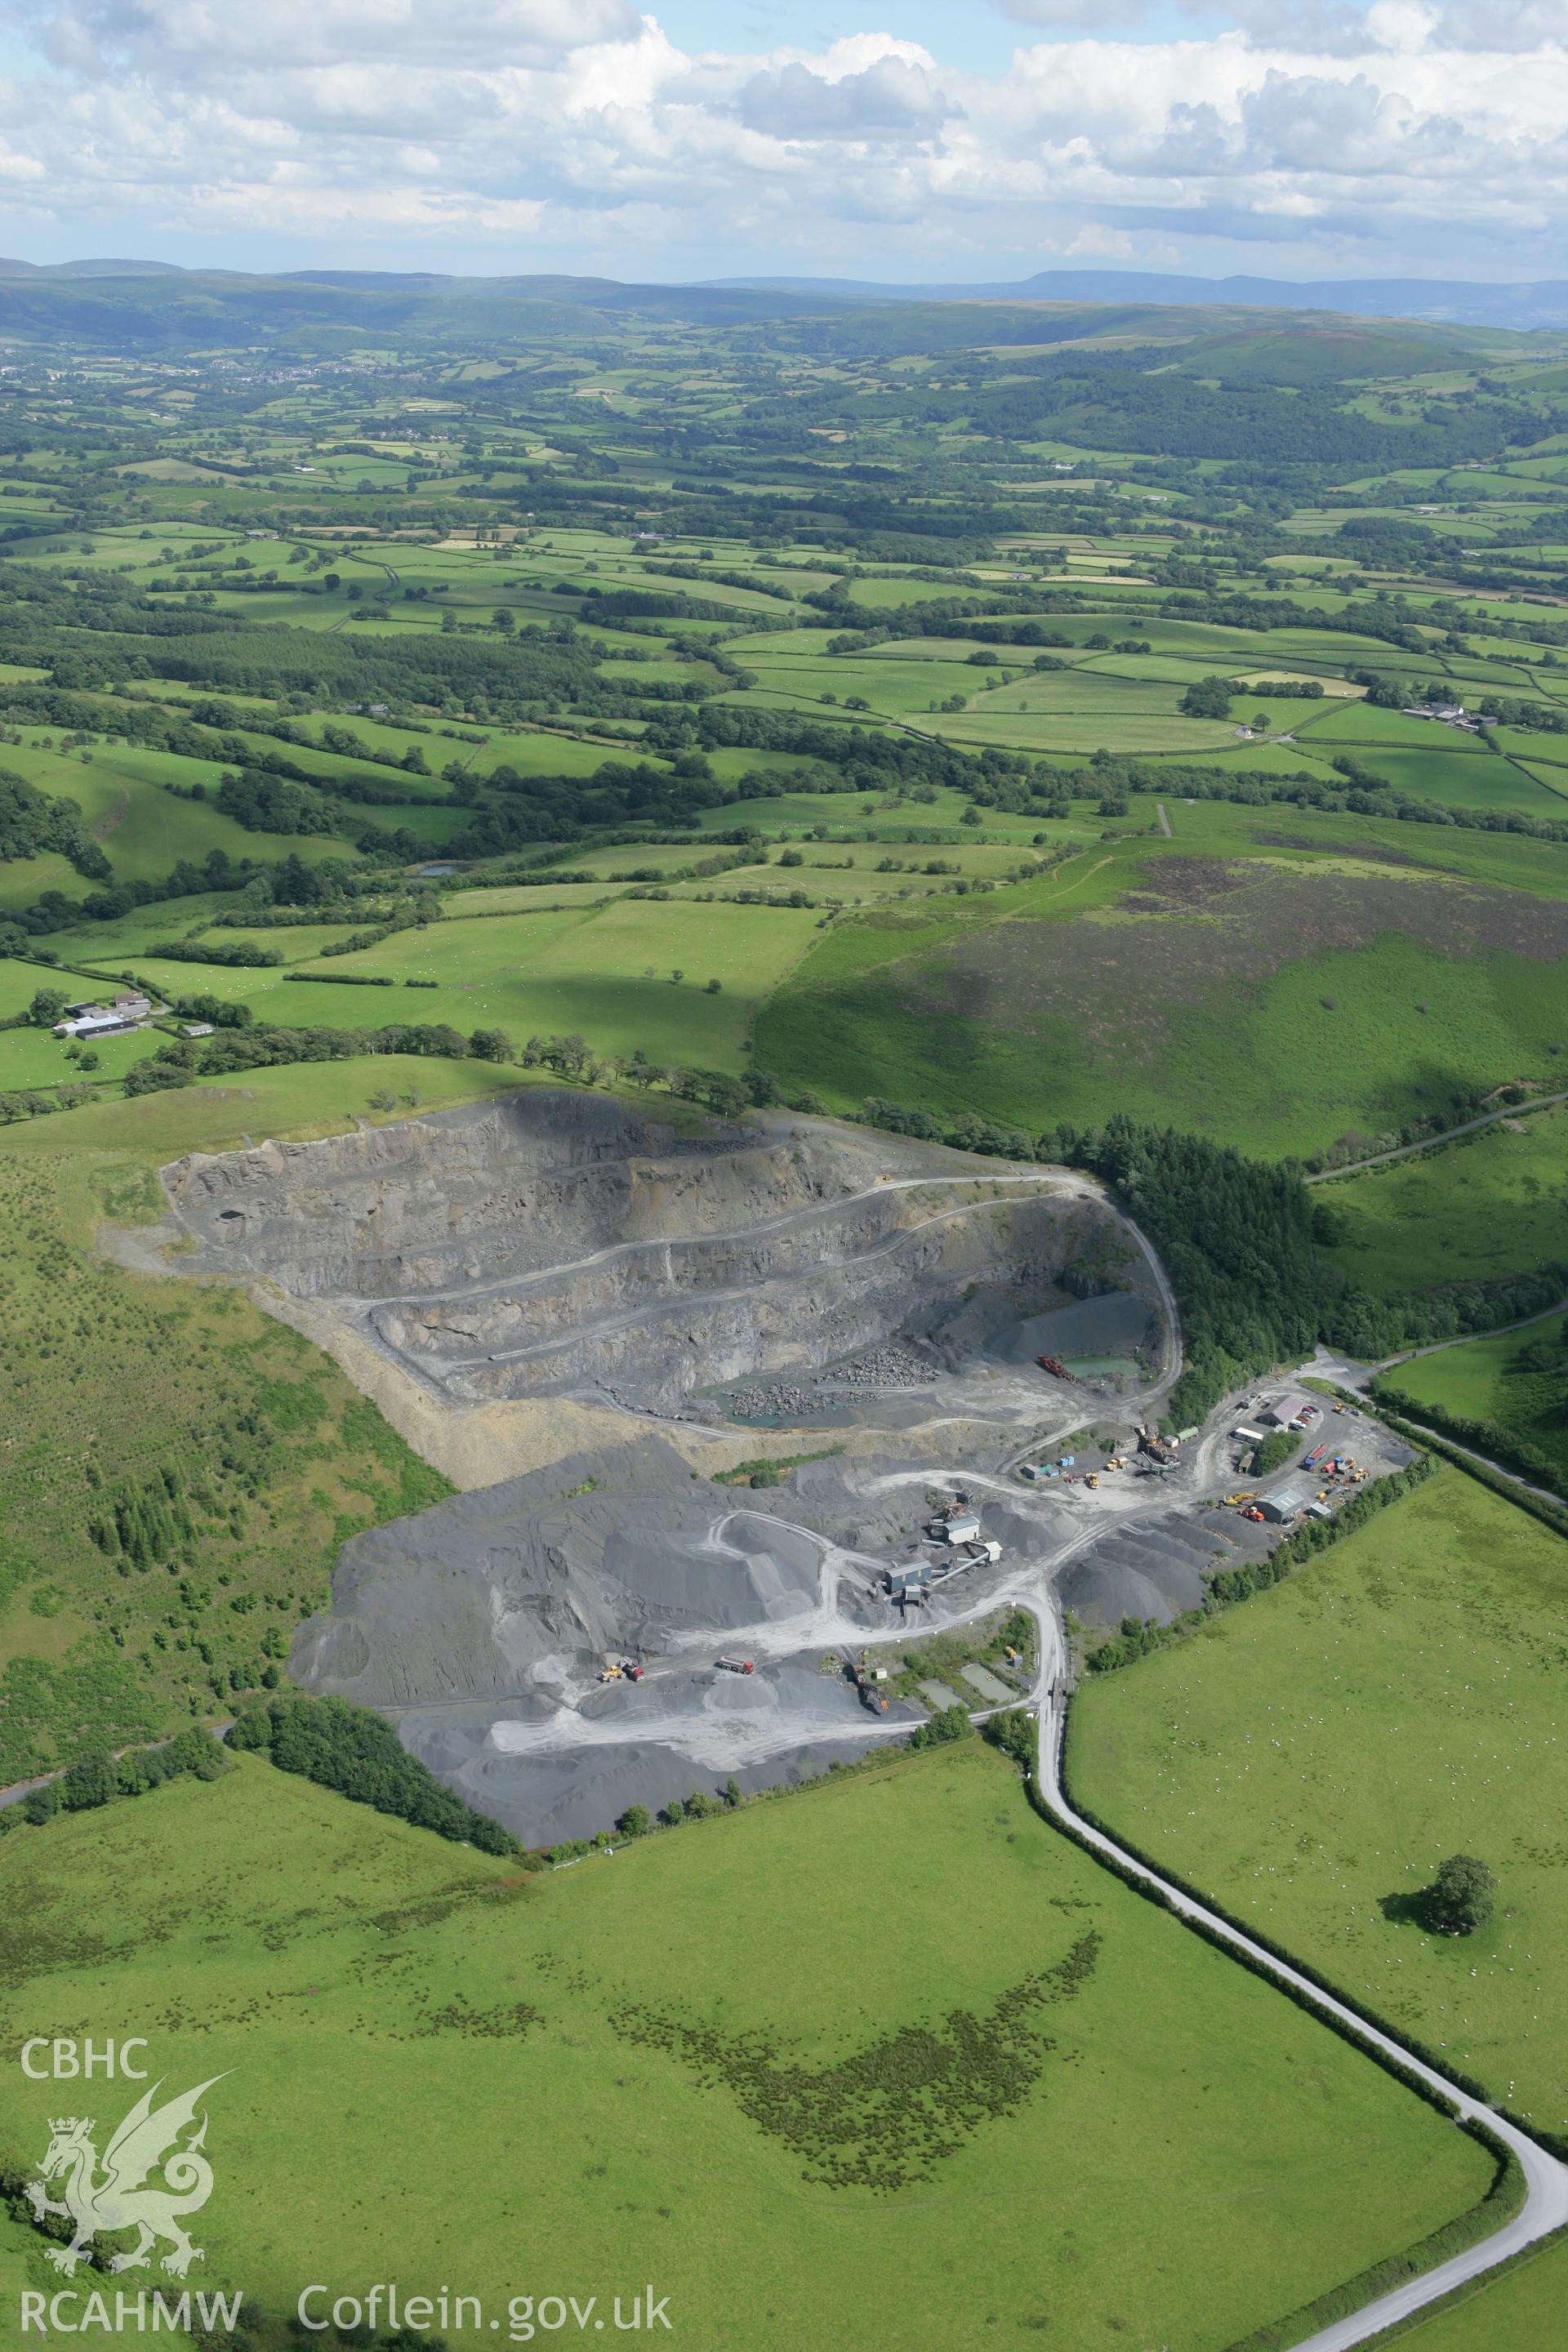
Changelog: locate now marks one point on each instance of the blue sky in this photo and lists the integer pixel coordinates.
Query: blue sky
(907, 140)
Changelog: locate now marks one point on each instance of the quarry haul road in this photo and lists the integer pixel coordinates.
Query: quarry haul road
(682, 1301)
(1545, 2206)
(1065, 1184)
(1063, 1180)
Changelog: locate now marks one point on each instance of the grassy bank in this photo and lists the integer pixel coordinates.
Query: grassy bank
(179, 1469)
(1278, 1006)
(1512, 1384)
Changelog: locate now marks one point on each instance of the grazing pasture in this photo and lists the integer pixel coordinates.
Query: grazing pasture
(1271, 1006)
(1309, 1757)
(722, 2083)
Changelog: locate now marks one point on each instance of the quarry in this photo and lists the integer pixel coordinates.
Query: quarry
(558, 1245)
(621, 1619)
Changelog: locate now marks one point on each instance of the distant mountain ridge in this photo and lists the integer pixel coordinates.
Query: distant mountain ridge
(1456, 302)
(90, 269)
(138, 305)
(1540, 304)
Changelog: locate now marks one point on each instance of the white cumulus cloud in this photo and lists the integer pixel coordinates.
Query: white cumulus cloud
(501, 133)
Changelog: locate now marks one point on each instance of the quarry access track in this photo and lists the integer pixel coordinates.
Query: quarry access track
(517, 1287)
(1545, 2206)
(1435, 1142)
(1069, 1186)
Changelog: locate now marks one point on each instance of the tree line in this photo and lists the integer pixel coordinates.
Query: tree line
(100, 1779)
(356, 1751)
(33, 824)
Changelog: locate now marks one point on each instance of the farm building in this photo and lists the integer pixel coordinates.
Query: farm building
(1446, 714)
(126, 1012)
(94, 1021)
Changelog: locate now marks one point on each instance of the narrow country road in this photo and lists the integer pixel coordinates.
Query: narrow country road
(1545, 2206)
(1431, 1142)
(1460, 1338)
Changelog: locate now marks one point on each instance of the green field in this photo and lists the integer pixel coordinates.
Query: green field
(1522, 2309)
(142, 828)
(1272, 1006)
(19, 984)
(263, 542)
(142, 927)
(1461, 780)
(1485, 1207)
(1053, 2111)
(1516, 1380)
(1309, 1760)
(297, 1099)
(603, 969)
(36, 1058)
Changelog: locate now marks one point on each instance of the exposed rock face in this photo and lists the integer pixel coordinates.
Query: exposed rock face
(559, 1255)
(558, 1243)
(428, 1205)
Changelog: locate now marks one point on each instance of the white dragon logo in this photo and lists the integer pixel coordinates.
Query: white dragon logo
(143, 2144)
